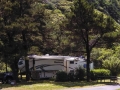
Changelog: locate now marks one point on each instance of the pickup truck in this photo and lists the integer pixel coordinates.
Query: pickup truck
(6, 77)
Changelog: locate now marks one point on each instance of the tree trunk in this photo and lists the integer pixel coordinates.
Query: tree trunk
(14, 67)
(27, 70)
(88, 56)
(88, 65)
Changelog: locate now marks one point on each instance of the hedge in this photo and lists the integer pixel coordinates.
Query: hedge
(99, 72)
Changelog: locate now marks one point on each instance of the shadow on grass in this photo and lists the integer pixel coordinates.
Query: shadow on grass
(64, 84)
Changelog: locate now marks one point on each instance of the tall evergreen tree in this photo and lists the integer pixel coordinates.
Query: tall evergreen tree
(19, 28)
(90, 26)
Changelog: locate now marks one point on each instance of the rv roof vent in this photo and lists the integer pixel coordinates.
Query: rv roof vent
(46, 54)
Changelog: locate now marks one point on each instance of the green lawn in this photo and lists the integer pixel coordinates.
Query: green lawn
(49, 85)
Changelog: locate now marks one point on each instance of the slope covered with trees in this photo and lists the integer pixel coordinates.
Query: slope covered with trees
(109, 7)
(44, 26)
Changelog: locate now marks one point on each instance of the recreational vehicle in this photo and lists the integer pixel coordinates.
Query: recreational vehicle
(48, 65)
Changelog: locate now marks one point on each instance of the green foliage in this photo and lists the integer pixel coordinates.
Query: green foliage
(71, 76)
(99, 72)
(107, 58)
(80, 73)
(109, 7)
(58, 36)
(56, 11)
(101, 53)
(116, 49)
(3, 67)
(91, 27)
(113, 64)
(61, 76)
(34, 27)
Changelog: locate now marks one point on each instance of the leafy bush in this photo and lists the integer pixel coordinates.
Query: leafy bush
(80, 73)
(112, 64)
(61, 76)
(71, 76)
(99, 72)
(3, 67)
(99, 54)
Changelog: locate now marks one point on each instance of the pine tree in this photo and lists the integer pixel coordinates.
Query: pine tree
(90, 26)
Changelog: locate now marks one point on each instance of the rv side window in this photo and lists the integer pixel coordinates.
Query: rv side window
(20, 62)
(71, 62)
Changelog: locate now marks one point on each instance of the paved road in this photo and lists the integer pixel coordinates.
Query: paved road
(106, 87)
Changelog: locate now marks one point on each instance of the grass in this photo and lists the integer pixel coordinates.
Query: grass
(50, 85)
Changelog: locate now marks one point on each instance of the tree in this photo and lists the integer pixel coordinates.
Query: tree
(19, 29)
(57, 38)
(91, 26)
(29, 28)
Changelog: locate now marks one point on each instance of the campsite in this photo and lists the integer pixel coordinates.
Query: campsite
(60, 44)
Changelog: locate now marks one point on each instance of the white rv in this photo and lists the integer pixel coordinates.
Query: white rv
(48, 65)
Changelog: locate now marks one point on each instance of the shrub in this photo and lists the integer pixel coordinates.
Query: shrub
(61, 76)
(71, 76)
(80, 73)
(3, 67)
(112, 64)
(99, 72)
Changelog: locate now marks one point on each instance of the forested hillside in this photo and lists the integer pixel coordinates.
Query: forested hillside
(109, 7)
(57, 27)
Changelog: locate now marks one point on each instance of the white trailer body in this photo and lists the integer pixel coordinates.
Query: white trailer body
(47, 66)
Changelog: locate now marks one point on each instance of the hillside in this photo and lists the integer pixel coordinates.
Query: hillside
(109, 7)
